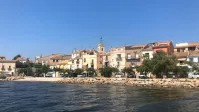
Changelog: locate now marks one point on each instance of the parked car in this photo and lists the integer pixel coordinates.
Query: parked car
(193, 75)
(80, 75)
(131, 76)
(118, 75)
(142, 76)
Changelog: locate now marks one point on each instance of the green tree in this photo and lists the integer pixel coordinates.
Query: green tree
(160, 64)
(78, 71)
(146, 67)
(17, 56)
(38, 72)
(108, 71)
(45, 69)
(195, 66)
(21, 71)
(127, 70)
(91, 71)
(182, 71)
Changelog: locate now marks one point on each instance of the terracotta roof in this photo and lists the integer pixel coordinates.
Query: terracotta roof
(7, 61)
(185, 46)
(193, 43)
(50, 56)
(21, 59)
(190, 44)
(66, 57)
(138, 46)
(148, 48)
(181, 54)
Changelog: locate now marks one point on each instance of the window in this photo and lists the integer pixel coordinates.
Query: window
(53, 60)
(192, 48)
(72, 61)
(118, 64)
(147, 55)
(84, 60)
(191, 59)
(57, 60)
(119, 56)
(92, 62)
(128, 56)
(102, 49)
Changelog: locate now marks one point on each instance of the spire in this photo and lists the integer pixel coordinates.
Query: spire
(101, 40)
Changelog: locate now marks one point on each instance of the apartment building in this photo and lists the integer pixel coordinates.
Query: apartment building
(76, 60)
(118, 57)
(134, 55)
(48, 60)
(90, 59)
(7, 66)
(151, 48)
(166, 46)
(22, 59)
(187, 52)
(63, 61)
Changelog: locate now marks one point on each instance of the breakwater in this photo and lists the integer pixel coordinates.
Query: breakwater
(167, 83)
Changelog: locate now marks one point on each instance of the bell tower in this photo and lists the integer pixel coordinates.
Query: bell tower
(101, 48)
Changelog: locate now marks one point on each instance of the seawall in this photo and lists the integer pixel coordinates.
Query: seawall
(167, 83)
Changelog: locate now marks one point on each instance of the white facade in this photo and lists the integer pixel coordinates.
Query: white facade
(193, 59)
(89, 60)
(148, 52)
(181, 44)
(74, 64)
(118, 58)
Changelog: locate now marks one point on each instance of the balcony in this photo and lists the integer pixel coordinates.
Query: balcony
(106, 60)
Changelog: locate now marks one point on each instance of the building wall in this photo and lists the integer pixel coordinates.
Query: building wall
(6, 66)
(113, 55)
(194, 59)
(135, 54)
(163, 49)
(88, 58)
(73, 65)
(150, 53)
(46, 59)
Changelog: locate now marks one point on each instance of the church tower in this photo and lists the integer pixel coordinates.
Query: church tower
(101, 48)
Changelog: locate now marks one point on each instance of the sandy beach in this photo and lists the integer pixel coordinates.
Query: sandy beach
(40, 79)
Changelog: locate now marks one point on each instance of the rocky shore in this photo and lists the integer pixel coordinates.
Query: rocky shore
(166, 83)
(12, 78)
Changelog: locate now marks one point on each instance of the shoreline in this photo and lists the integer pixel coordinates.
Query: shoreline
(162, 83)
(37, 79)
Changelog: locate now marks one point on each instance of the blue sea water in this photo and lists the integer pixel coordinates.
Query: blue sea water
(53, 97)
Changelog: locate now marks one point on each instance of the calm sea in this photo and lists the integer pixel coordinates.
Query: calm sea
(53, 97)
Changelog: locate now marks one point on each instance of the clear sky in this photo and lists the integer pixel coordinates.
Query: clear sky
(35, 27)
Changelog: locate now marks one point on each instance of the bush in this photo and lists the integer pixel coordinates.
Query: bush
(2, 76)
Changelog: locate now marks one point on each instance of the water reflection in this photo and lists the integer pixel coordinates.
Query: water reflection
(51, 97)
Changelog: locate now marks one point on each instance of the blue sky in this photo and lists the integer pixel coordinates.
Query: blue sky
(35, 27)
